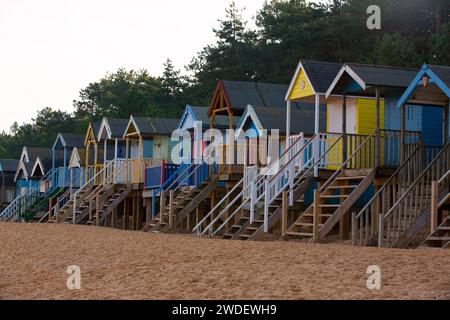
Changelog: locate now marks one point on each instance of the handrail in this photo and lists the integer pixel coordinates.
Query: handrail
(180, 176)
(445, 176)
(88, 183)
(63, 196)
(255, 180)
(217, 206)
(391, 178)
(15, 205)
(344, 165)
(424, 172)
(311, 167)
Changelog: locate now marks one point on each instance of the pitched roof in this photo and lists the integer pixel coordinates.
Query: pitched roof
(43, 153)
(321, 74)
(369, 77)
(302, 118)
(373, 75)
(115, 127)
(70, 140)
(240, 94)
(155, 126)
(96, 127)
(9, 165)
(220, 122)
(443, 72)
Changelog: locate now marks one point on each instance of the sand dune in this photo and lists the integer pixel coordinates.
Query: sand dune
(119, 264)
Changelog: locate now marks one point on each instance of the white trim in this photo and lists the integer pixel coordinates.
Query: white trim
(75, 160)
(351, 73)
(132, 121)
(187, 110)
(23, 155)
(37, 163)
(63, 142)
(104, 125)
(21, 166)
(249, 112)
(297, 72)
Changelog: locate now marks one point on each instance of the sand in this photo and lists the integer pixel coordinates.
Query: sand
(118, 264)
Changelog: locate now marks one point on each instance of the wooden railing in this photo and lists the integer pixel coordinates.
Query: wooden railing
(365, 222)
(253, 189)
(413, 202)
(24, 201)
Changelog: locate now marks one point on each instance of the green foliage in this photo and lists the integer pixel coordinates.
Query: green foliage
(413, 32)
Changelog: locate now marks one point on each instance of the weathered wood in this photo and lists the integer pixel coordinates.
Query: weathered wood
(316, 215)
(378, 132)
(434, 205)
(354, 229)
(284, 213)
(171, 210)
(125, 214)
(346, 205)
(97, 210)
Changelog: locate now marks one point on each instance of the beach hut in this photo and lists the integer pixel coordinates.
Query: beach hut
(148, 143)
(430, 88)
(8, 168)
(93, 164)
(28, 190)
(64, 144)
(399, 151)
(110, 135)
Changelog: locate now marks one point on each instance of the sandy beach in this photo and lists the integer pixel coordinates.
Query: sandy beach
(118, 264)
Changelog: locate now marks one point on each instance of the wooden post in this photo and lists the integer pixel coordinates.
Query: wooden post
(344, 128)
(378, 140)
(114, 218)
(95, 158)
(354, 229)
(381, 230)
(444, 124)
(284, 213)
(403, 135)
(316, 215)
(125, 214)
(88, 147)
(162, 206)
(316, 146)
(288, 123)
(57, 210)
(171, 210)
(133, 212)
(434, 205)
(97, 210)
(50, 202)
(148, 210)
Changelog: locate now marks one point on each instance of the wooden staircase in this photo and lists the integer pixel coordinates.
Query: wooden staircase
(183, 204)
(112, 202)
(409, 215)
(440, 237)
(242, 229)
(331, 203)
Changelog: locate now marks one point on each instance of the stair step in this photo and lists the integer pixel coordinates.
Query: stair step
(299, 234)
(335, 196)
(304, 224)
(343, 187)
(438, 239)
(246, 236)
(252, 228)
(329, 205)
(351, 178)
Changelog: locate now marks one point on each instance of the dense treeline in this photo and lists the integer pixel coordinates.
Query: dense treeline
(413, 32)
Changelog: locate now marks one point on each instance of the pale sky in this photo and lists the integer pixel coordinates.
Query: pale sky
(50, 49)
